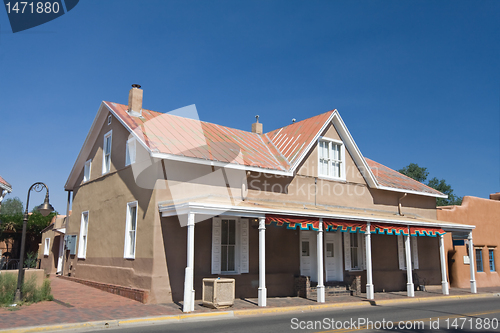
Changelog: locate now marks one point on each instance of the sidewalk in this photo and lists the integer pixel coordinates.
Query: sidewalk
(78, 304)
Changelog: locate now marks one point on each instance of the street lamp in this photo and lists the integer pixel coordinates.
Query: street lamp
(45, 209)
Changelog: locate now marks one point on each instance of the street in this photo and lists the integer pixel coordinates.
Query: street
(473, 315)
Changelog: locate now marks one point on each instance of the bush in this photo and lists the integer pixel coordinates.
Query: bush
(31, 294)
(8, 286)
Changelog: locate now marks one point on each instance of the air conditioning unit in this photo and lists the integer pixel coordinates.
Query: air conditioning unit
(218, 292)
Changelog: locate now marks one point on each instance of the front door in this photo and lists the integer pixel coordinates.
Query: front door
(333, 256)
(308, 258)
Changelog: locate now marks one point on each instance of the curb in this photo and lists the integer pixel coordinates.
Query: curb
(234, 313)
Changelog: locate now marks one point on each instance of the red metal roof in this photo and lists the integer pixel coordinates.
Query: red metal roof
(2, 181)
(276, 150)
(391, 178)
(293, 140)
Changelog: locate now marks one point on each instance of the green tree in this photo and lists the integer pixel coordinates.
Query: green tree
(420, 174)
(11, 206)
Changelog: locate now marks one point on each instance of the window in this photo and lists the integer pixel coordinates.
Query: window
(86, 171)
(84, 227)
(354, 251)
(329, 250)
(230, 245)
(130, 152)
(130, 231)
(109, 120)
(479, 260)
(46, 247)
(402, 252)
(305, 248)
(106, 153)
(491, 256)
(331, 159)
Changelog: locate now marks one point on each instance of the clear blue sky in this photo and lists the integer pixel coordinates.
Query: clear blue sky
(415, 81)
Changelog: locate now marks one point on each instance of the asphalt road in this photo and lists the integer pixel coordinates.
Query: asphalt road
(470, 315)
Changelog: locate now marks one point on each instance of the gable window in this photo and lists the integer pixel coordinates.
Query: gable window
(479, 260)
(46, 247)
(106, 153)
(402, 252)
(86, 171)
(491, 256)
(230, 246)
(130, 231)
(130, 151)
(354, 251)
(84, 227)
(331, 159)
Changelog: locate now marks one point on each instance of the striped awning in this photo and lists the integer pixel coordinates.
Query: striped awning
(306, 223)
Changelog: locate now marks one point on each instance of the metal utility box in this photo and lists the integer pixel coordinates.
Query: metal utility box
(70, 244)
(218, 292)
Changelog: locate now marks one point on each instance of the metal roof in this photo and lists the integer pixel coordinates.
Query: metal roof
(391, 178)
(278, 150)
(5, 185)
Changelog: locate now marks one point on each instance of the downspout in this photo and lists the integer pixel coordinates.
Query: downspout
(67, 227)
(399, 204)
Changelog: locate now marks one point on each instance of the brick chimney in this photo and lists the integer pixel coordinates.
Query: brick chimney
(135, 101)
(495, 196)
(257, 127)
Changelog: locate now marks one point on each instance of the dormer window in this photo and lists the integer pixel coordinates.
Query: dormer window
(331, 154)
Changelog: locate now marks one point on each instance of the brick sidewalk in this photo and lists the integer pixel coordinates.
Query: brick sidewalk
(77, 303)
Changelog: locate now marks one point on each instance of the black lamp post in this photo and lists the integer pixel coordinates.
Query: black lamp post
(45, 209)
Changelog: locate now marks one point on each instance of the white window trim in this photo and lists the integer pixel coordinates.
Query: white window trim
(109, 120)
(402, 253)
(87, 167)
(46, 248)
(126, 249)
(241, 247)
(82, 245)
(110, 135)
(342, 159)
(361, 252)
(130, 143)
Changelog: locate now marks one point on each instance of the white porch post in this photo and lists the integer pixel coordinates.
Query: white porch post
(262, 262)
(320, 289)
(472, 264)
(409, 272)
(370, 293)
(189, 276)
(444, 279)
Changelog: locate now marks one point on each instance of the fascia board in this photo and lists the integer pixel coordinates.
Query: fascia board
(387, 188)
(6, 187)
(87, 146)
(199, 208)
(219, 164)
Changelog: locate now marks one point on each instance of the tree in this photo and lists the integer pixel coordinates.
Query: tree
(420, 174)
(11, 206)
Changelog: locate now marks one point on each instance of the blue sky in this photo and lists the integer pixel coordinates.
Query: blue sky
(414, 81)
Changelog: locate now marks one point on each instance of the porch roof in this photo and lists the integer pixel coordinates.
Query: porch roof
(210, 206)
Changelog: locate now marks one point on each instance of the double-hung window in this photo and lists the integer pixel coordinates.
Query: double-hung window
(479, 260)
(84, 228)
(130, 231)
(491, 255)
(354, 251)
(130, 151)
(106, 153)
(86, 171)
(230, 245)
(331, 159)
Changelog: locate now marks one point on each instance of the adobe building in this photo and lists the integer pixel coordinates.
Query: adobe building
(485, 215)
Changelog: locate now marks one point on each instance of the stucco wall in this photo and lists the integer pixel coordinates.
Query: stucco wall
(485, 215)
